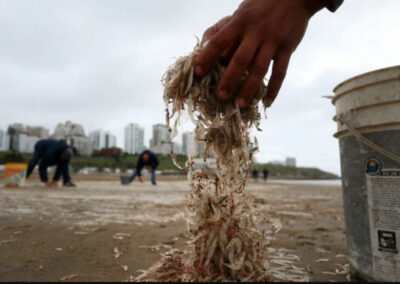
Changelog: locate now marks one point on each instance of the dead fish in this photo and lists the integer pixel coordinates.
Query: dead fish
(68, 277)
(328, 272)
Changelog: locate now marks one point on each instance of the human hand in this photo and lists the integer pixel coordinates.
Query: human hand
(260, 31)
(140, 179)
(50, 184)
(150, 170)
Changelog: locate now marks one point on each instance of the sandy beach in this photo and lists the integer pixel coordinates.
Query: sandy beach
(104, 231)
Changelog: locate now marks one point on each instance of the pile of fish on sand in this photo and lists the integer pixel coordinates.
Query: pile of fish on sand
(226, 243)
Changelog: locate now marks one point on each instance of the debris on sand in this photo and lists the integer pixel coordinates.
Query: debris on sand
(81, 233)
(342, 269)
(88, 230)
(156, 247)
(328, 272)
(121, 236)
(321, 250)
(7, 241)
(68, 277)
(117, 252)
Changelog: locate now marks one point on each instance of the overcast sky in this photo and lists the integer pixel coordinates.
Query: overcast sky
(99, 63)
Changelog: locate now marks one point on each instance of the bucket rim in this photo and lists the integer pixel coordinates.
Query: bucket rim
(336, 96)
(363, 74)
(16, 164)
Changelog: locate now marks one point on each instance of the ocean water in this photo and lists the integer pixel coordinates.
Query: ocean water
(337, 182)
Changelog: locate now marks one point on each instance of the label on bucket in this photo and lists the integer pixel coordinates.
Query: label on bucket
(383, 189)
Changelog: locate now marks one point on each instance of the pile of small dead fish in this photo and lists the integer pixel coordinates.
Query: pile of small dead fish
(226, 242)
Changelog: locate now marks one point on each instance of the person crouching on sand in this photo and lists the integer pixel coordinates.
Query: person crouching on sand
(147, 158)
(49, 152)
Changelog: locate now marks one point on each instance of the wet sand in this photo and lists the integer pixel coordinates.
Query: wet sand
(104, 231)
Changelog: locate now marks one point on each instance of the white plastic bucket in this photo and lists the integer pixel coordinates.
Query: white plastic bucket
(368, 129)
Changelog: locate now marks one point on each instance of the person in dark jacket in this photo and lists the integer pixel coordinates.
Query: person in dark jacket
(265, 174)
(147, 158)
(49, 152)
(254, 174)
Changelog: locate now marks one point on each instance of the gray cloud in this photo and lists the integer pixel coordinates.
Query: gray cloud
(100, 63)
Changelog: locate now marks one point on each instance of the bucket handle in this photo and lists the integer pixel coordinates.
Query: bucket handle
(367, 142)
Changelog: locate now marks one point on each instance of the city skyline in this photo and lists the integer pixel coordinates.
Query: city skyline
(98, 138)
(120, 142)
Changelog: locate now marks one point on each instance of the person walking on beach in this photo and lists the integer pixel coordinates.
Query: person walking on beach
(255, 174)
(49, 152)
(147, 158)
(265, 174)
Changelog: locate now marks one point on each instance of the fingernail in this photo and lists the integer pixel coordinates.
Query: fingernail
(241, 102)
(198, 70)
(223, 94)
(267, 102)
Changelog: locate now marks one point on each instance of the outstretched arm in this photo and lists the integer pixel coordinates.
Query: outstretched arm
(32, 163)
(139, 167)
(258, 33)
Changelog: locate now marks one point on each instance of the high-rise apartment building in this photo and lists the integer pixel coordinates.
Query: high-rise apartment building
(188, 144)
(4, 141)
(160, 142)
(134, 139)
(161, 135)
(23, 138)
(102, 139)
(24, 143)
(75, 136)
(290, 162)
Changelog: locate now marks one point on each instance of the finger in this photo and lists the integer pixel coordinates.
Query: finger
(216, 45)
(257, 71)
(214, 29)
(281, 63)
(227, 55)
(236, 68)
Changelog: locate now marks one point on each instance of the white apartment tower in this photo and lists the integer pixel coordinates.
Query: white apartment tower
(4, 141)
(75, 136)
(160, 135)
(187, 143)
(103, 139)
(23, 138)
(134, 138)
(290, 162)
(160, 143)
